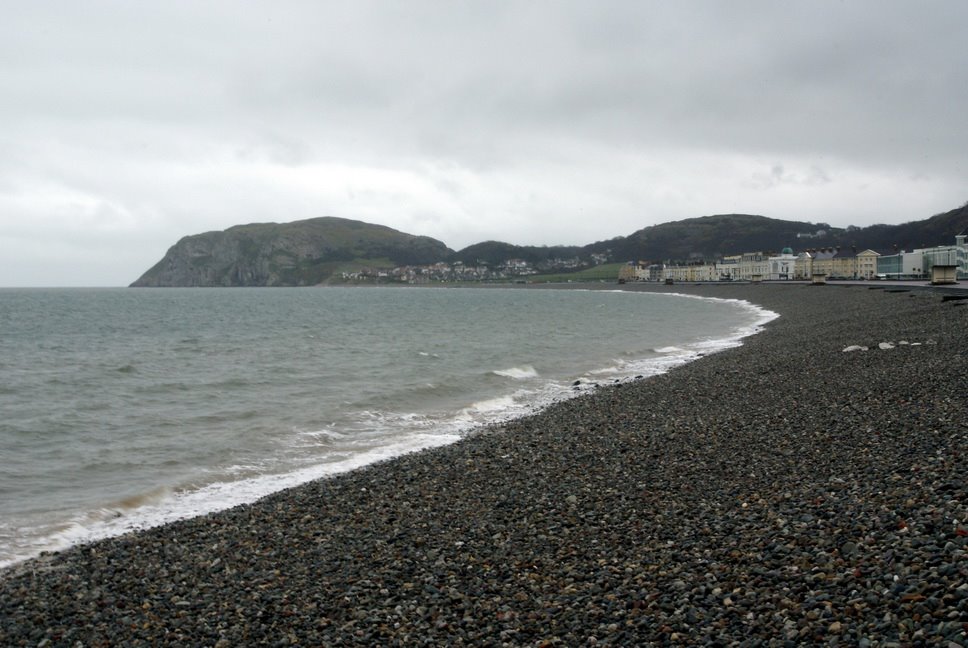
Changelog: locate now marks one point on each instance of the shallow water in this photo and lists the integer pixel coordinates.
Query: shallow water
(126, 408)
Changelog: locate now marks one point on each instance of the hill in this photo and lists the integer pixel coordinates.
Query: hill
(937, 230)
(310, 252)
(707, 237)
(300, 253)
(495, 252)
(711, 237)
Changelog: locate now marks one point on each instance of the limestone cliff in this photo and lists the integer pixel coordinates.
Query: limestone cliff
(301, 253)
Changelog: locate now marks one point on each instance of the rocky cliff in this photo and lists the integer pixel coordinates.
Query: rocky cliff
(301, 253)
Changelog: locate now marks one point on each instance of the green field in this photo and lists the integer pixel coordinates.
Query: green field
(606, 272)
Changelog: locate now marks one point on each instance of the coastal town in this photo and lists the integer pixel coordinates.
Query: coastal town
(942, 263)
(458, 271)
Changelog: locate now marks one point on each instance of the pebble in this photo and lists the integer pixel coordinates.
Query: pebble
(615, 518)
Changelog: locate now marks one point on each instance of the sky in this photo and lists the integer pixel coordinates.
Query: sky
(127, 125)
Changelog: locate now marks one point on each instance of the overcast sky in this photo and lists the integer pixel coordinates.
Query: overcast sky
(127, 125)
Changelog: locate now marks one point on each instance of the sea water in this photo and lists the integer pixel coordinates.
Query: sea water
(122, 409)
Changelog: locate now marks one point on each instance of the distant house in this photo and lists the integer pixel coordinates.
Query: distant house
(947, 255)
(840, 263)
(900, 265)
(728, 267)
(867, 264)
(641, 271)
(803, 266)
(754, 266)
(628, 272)
(823, 263)
(782, 266)
(829, 262)
(845, 263)
(692, 272)
(653, 272)
(917, 264)
(962, 256)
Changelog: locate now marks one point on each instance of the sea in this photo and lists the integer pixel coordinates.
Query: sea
(124, 408)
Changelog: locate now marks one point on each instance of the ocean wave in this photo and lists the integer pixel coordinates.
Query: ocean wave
(415, 400)
(517, 373)
(499, 404)
(158, 508)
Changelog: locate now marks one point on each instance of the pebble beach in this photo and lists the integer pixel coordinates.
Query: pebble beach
(807, 487)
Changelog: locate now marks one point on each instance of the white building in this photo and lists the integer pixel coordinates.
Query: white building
(754, 266)
(917, 264)
(783, 266)
(728, 267)
(947, 255)
(691, 272)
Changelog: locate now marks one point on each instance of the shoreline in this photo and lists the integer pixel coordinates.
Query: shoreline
(115, 519)
(782, 489)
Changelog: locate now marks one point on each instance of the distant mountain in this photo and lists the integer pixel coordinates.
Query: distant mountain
(940, 229)
(310, 252)
(711, 237)
(301, 253)
(707, 237)
(495, 253)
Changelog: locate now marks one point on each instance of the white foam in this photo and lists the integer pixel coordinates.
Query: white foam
(217, 496)
(618, 367)
(499, 404)
(673, 356)
(383, 435)
(733, 338)
(324, 434)
(518, 373)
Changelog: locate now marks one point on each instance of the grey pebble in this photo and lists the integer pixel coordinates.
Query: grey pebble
(777, 493)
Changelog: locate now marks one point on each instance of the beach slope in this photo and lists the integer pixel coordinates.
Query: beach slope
(783, 492)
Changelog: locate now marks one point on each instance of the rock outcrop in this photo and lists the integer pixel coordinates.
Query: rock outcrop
(302, 253)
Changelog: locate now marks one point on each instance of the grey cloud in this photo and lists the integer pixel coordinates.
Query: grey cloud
(483, 120)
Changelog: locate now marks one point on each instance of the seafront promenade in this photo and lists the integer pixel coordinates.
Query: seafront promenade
(784, 492)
